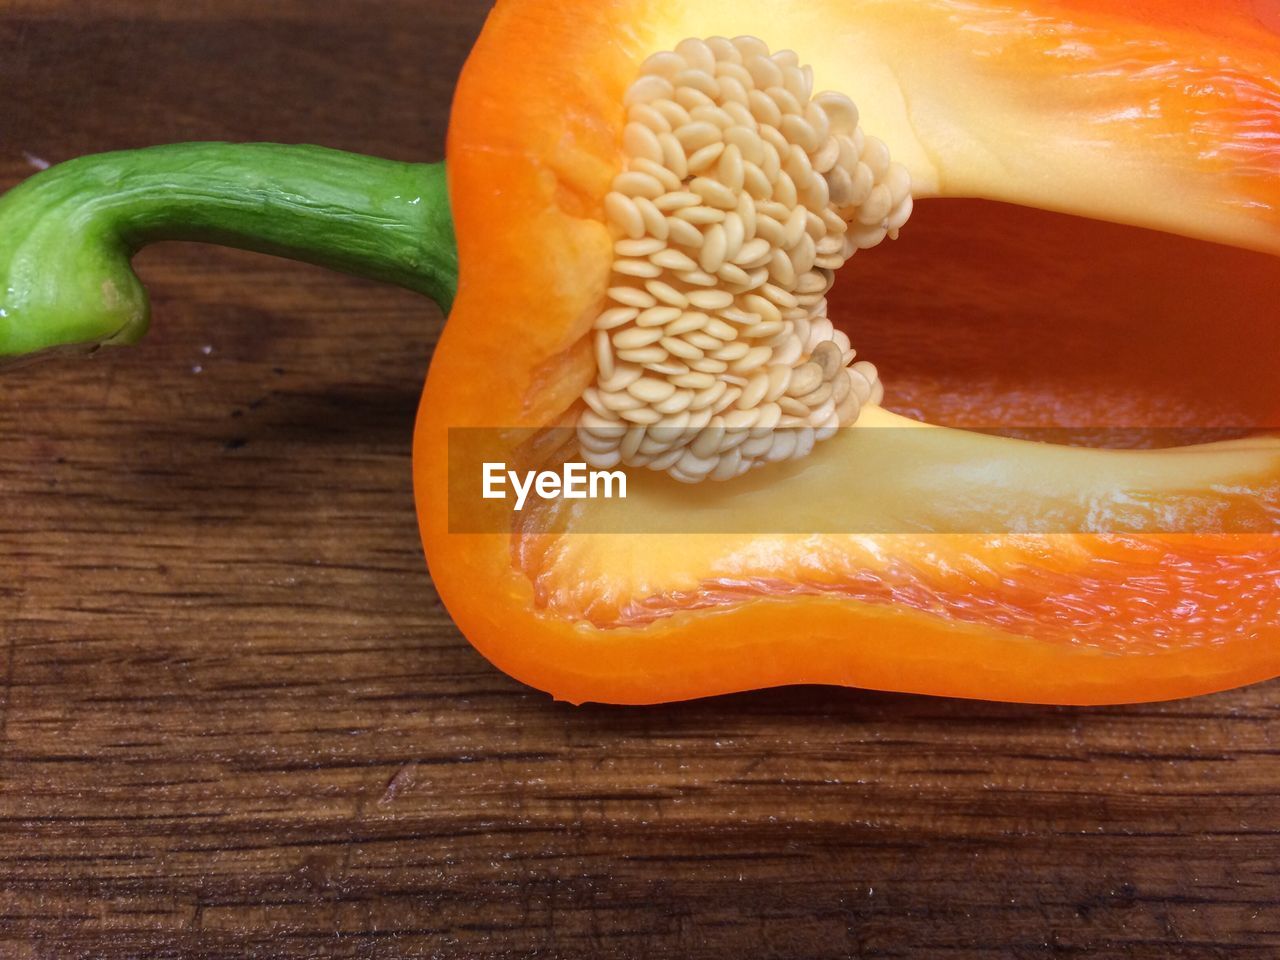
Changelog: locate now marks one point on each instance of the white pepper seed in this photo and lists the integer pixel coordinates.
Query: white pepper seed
(740, 195)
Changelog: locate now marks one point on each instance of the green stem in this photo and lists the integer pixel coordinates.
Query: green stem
(67, 234)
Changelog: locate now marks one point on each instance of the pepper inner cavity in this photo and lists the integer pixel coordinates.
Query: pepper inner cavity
(741, 196)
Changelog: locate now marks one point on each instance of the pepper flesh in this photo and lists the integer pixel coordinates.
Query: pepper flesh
(1153, 131)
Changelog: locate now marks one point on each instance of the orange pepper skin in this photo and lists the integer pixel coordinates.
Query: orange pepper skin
(533, 145)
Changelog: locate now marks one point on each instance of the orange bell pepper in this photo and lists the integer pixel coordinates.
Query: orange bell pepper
(1163, 115)
(1093, 183)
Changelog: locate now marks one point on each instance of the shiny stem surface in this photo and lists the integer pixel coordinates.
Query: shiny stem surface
(67, 234)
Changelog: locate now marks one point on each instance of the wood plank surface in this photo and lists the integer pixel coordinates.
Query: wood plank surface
(235, 720)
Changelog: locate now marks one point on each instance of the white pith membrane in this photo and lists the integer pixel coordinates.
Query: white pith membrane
(743, 193)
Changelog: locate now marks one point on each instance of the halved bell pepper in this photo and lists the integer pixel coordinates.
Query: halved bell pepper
(1097, 246)
(1160, 115)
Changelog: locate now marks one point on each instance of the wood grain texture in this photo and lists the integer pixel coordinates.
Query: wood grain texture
(236, 721)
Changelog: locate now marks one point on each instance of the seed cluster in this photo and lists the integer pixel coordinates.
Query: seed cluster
(742, 195)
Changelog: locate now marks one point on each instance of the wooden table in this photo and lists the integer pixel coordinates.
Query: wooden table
(236, 721)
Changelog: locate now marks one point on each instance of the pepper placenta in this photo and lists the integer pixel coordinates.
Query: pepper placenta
(951, 601)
